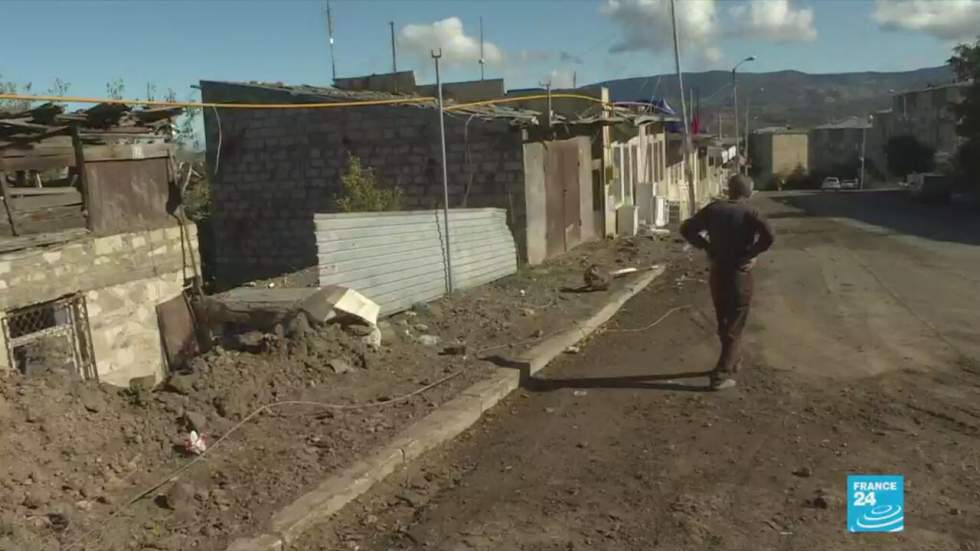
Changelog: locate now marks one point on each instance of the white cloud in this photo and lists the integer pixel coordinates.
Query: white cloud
(646, 24)
(775, 20)
(946, 19)
(458, 48)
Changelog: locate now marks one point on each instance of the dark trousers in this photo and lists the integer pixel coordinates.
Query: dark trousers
(731, 292)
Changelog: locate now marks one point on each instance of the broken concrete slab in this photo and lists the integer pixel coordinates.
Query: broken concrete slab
(263, 309)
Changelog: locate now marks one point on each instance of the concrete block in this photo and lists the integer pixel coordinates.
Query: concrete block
(444, 423)
(494, 389)
(107, 245)
(52, 257)
(334, 493)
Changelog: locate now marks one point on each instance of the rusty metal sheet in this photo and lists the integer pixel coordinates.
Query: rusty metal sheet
(177, 331)
(126, 196)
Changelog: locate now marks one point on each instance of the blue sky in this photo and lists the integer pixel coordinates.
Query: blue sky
(173, 44)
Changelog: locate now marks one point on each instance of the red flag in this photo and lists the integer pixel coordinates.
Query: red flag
(695, 126)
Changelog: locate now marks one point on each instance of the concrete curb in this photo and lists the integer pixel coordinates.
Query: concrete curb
(443, 424)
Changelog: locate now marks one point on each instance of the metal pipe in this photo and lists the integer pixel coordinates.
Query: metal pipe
(436, 54)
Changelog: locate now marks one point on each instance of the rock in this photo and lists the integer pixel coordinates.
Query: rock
(91, 399)
(373, 339)
(359, 330)
(537, 334)
(821, 502)
(195, 421)
(251, 341)
(528, 312)
(421, 308)
(298, 326)
(804, 472)
(454, 350)
(33, 414)
(388, 332)
(428, 340)
(36, 498)
(145, 383)
(414, 499)
(84, 505)
(574, 349)
(340, 366)
(182, 384)
(179, 497)
(421, 327)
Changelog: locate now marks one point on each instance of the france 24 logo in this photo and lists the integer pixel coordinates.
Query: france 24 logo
(875, 503)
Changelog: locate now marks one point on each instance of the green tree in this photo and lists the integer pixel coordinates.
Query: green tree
(362, 193)
(906, 154)
(965, 63)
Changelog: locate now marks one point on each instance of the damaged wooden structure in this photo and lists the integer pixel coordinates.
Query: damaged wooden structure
(94, 240)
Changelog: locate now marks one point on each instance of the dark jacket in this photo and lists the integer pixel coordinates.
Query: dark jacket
(737, 233)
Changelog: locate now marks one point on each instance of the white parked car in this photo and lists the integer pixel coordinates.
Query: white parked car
(831, 183)
(849, 184)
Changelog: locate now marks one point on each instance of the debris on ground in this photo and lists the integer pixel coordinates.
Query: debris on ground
(72, 451)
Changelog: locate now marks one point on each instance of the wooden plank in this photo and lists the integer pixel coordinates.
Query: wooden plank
(76, 143)
(32, 191)
(27, 204)
(7, 206)
(37, 162)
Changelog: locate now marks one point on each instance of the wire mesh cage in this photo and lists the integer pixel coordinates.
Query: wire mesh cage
(50, 336)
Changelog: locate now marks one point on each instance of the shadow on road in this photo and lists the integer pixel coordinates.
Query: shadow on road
(649, 382)
(891, 209)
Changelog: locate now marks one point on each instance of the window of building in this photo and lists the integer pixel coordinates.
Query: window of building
(50, 336)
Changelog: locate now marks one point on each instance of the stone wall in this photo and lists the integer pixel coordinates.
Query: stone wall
(121, 277)
(279, 167)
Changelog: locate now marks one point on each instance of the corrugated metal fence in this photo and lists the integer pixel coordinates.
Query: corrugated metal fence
(398, 258)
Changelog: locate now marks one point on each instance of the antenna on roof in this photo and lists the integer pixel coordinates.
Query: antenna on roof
(394, 59)
(482, 60)
(333, 61)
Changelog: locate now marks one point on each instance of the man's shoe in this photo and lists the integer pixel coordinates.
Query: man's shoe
(722, 384)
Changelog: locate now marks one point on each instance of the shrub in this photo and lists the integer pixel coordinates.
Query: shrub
(362, 192)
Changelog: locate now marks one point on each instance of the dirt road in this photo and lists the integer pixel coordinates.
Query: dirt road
(861, 360)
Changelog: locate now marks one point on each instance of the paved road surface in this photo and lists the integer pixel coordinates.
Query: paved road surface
(862, 354)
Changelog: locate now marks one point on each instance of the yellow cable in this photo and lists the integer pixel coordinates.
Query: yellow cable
(159, 103)
(524, 98)
(322, 105)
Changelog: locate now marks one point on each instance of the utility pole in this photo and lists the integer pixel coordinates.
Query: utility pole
(547, 86)
(864, 136)
(747, 105)
(721, 132)
(436, 54)
(691, 195)
(333, 61)
(735, 105)
(574, 79)
(482, 59)
(394, 58)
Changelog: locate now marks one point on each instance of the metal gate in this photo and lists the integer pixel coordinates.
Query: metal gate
(51, 335)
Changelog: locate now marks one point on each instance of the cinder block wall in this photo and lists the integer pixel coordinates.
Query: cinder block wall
(277, 168)
(122, 277)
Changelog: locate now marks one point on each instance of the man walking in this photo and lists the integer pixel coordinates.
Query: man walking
(737, 234)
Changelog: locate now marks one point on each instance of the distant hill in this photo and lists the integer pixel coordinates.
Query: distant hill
(786, 98)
